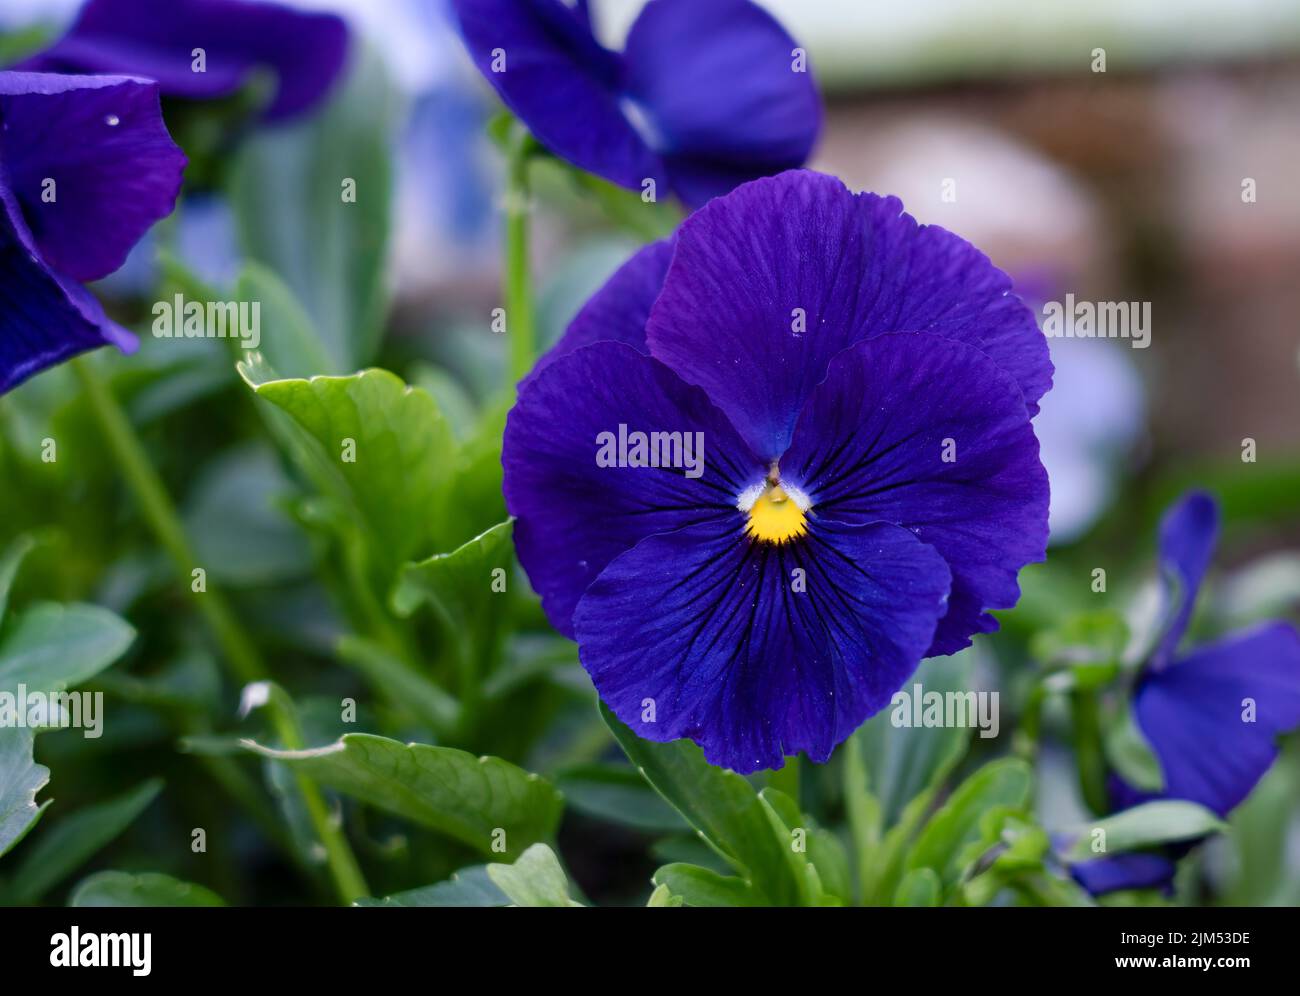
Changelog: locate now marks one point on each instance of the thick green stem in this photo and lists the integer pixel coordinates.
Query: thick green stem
(163, 519)
(517, 289)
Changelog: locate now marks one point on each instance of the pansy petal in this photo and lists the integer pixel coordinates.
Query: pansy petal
(769, 283)
(932, 435)
(717, 83)
(1213, 717)
(541, 58)
(619, 310)
(159, 38)
(1188, 533)
(702, 633)
(43, 319)
(90, 164)
(574, 515)
(1139, 870)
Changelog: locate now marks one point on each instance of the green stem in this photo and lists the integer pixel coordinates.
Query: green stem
(161, 515)
(348, 880)
(238, 649)
(517, 289)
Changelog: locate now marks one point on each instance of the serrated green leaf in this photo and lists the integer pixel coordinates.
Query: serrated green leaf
(466, 797)
(468, 590)
(52, 647)
(20, 779)
(117, 888)
(287, 194)
(74, 839)
(721, 805)
(535, 879)
(1148, 825)
(377, 447)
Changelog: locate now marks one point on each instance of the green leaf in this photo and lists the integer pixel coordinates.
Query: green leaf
(1086, 638)
(20, 779)
(904, 761)
(117, 888)
(239, 534)
(535, 879)
(466, 797)
(663, 896)
(287, 338)
(1152, 823)
(721, 805)
(53, 647)
(468, 887)
(376, 446)
(287, 194)
(9, 563)
(805, 844)
(1131, 755)
(468, 590)
(74, 839)
(697, 886)
(920, 887)
(1009, 849)
(1000, 783)
(405, 687)
(618, 794)
(475, 483)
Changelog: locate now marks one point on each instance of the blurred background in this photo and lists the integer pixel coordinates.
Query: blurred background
(994, 120)
(1115, 150)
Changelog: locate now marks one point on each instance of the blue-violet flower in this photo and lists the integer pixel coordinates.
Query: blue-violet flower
(86, 167)
(1211, 715)
(705, 95)
(205, 49)
(777, 461)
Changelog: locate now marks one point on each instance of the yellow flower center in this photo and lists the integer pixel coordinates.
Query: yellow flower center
(775, 517)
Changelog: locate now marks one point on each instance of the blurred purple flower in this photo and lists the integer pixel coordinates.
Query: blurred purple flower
(705, 95)
(86, 167)
(205, 49)
(1211, 715)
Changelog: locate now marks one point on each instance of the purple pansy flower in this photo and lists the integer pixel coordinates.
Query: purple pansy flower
(705, 95)
(159, 39)
(1211, 715)
(86, 167)
(865, 487)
